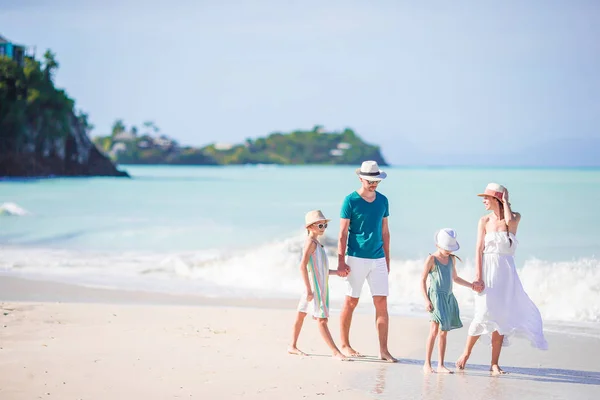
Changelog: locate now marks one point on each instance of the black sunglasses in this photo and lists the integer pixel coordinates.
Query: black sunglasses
(372, 182)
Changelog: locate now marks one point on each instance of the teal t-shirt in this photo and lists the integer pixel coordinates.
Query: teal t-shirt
(365, 231)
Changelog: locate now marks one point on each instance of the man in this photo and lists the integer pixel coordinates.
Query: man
(364, 253)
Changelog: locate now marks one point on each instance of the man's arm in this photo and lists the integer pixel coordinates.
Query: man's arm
(385, 233)
(343, 268)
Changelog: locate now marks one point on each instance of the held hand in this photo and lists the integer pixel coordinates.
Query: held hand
(429, 306)
(478, 286)
(309, 296)
(343, 269)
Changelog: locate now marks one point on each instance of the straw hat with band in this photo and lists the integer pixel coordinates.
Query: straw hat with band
(493, 190)
(314, 216)
(370, 170)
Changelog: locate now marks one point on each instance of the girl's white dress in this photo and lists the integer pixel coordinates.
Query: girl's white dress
(503, 305)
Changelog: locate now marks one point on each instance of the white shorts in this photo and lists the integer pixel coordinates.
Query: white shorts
(374, 270)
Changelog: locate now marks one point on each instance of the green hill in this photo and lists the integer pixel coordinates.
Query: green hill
(41, 133)
(300, 147)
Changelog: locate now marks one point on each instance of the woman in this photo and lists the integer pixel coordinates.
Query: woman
(503, 308)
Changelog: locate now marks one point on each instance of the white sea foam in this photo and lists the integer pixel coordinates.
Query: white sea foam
(12, 209)
(563, 291)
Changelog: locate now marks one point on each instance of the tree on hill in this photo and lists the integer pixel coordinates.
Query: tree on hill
(315, 146)
(50, 65)
(118, 127)
(41, 131)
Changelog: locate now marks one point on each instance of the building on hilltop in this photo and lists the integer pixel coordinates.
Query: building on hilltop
(14, 51)
(124, 136)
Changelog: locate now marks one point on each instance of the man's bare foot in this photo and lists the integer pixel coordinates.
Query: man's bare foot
(441, 369)
(296, 351)
(462, 361)
(386, 356)
(496, 370)
(341, 357)
(427, 369)
(350, 352)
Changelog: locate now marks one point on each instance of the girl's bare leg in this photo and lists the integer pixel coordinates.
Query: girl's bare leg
(293, 347)
(497, 340)
(324, 330)
(442, 352)
(433, 331)
(462, 361)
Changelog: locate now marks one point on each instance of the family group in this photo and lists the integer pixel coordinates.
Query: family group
(502, 307)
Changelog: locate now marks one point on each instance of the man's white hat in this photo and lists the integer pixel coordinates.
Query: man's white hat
(370, 170)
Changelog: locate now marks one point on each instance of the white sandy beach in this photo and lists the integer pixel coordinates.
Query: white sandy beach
(66, 342)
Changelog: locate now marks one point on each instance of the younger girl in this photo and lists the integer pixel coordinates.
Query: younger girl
(315, 272)
(439, 300)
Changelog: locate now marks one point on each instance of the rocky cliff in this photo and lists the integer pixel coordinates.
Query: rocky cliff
(40, 132)
(73, 155)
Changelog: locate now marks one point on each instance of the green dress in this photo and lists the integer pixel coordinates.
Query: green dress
(445, 307)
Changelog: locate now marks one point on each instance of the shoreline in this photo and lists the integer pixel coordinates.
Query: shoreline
(30, 290)
(48, 289)
(62, 341)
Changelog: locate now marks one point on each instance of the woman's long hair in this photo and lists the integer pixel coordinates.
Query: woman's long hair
(502, 217)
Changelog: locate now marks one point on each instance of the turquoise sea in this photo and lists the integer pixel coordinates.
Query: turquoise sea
(237, 231)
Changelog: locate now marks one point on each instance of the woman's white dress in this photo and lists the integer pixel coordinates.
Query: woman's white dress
(503, 305)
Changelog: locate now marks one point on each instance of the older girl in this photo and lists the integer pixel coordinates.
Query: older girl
(314, 269)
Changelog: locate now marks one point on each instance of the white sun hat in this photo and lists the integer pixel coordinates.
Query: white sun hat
(370, 170)
(446, 239)
(314, 216)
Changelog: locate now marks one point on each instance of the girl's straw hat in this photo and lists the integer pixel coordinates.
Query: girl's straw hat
(493, 190)
(314, 216)
(446, 239)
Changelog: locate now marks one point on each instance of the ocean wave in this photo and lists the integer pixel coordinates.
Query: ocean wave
(564, 291)
(13, 209)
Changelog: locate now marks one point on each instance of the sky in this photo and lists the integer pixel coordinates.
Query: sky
(434, 80)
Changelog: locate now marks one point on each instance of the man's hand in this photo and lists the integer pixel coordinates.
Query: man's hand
(343, 269)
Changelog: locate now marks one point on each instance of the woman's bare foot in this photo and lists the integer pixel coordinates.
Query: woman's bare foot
(496, 370)
(350, 352)
(386, 356)
(340, 356)
(462, 361)
(296, 351)
(441, 369)
(427, 369)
